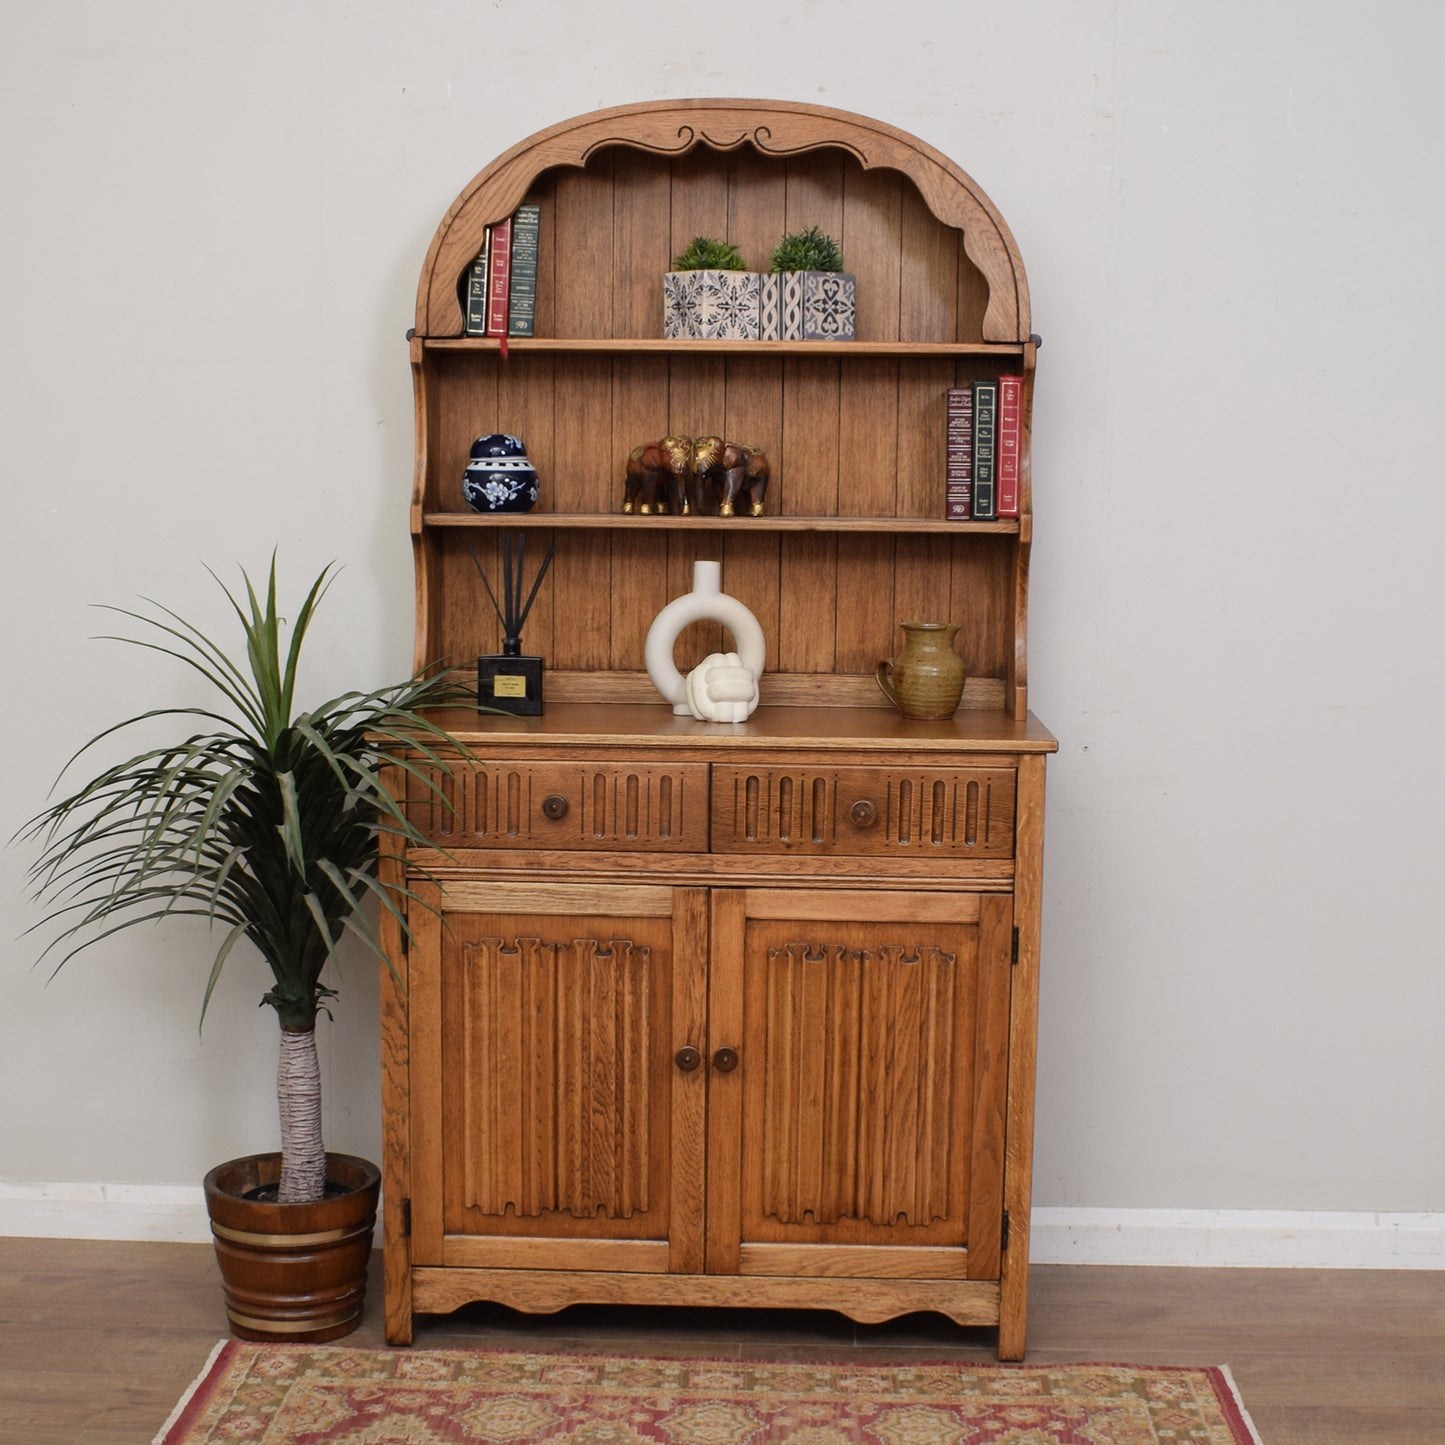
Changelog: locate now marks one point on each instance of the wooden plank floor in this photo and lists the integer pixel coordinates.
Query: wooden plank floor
(98, 1340)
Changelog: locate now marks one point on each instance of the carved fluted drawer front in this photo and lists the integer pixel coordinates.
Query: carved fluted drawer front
(572, 805)
(871, 811)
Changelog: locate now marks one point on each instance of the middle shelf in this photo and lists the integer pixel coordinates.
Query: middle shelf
(612, 521)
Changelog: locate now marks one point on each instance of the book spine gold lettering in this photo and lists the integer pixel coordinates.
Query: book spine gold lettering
(522, 297)
(985, 449)
(958, 483)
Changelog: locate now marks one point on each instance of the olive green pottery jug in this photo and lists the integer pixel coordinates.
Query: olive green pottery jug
(925, 680)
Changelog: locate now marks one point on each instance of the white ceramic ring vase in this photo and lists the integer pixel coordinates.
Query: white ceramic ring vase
(707, 602)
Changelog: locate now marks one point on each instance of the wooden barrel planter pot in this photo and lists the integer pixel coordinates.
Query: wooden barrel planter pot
(292, 1272)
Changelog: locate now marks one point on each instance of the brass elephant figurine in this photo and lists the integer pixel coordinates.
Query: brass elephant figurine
(695, 477)
(657, 477)
(730, 473)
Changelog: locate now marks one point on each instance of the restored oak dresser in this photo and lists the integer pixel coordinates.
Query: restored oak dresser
(696, 1013)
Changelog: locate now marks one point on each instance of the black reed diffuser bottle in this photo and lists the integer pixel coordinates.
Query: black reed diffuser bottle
(511, 681)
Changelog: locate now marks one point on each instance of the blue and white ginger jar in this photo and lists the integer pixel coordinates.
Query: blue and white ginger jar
(499, 478)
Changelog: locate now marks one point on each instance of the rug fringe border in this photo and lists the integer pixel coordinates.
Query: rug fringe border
(1237, 1401)
(184, 1403)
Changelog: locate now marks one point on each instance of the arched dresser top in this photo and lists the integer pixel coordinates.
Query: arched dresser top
(773, 128)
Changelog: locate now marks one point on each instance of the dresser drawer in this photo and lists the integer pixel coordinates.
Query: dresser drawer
(917, 812)
(572, 805)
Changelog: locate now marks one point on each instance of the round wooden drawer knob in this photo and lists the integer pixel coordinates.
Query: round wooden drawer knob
(863, 813)
(554, 806)
(687, 1059)
(725, 1060)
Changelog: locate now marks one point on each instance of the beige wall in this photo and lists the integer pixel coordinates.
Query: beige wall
(213, 218)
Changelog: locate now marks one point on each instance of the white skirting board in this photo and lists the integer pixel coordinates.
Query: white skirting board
(1239, 1238)
(174, 1213)
(1214, 1238)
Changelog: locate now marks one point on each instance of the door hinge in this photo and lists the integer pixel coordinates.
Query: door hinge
(406, 1218)
(1015, 956)
(1004, 1245)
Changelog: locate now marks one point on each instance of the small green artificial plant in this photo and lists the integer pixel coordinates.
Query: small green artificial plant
(260, 819)
(705, 254)
(809, 250)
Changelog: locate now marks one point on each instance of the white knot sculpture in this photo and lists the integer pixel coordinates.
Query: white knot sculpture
(724, 686)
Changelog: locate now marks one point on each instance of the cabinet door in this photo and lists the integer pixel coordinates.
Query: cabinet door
(861, 1130)
(551, 1126)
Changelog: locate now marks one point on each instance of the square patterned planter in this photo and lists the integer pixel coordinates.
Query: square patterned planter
(830, 305)
(710, 305)
(808, 306)
(774, 307)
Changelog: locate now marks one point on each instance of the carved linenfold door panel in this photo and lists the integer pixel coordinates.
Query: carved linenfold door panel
(864, 1122)
(560, 1134)
(855, 1104)
(555, 1035)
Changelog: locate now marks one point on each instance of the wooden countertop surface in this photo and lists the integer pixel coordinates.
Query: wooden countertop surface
(654, 726)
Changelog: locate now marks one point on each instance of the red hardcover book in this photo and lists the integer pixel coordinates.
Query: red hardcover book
(499, 261)
(1010, 432)
(958, 480)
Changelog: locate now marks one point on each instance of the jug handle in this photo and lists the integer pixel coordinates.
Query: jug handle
(884, 676)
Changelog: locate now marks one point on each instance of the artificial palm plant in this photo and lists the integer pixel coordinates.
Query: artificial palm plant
(265, 821)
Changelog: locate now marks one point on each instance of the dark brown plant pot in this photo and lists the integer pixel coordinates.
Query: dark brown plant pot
(293, 1272)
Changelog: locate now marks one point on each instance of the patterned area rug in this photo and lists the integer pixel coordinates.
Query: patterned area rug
(329, 1395)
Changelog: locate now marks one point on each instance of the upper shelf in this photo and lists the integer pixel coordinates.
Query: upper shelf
(614, 345)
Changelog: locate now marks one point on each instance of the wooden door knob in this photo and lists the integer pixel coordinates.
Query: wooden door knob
(863, 813)
(687, 1059)
(725, 1060)
(554, 806)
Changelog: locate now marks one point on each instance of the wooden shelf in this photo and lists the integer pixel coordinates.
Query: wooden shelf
(597, 521)
(613, 346)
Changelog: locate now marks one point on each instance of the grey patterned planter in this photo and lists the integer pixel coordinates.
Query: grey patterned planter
(829, 305)
(807, 306)
(781, 306)
(710, 305)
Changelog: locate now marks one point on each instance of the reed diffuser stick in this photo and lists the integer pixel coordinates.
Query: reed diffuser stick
(512, 612)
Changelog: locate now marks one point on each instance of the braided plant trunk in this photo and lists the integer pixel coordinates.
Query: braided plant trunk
(298, 1088)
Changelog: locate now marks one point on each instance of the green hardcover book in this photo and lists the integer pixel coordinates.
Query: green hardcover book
(985, 450)
(526, 228)
(477, 294)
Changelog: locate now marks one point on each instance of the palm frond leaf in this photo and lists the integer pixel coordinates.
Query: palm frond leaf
(267, 822)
